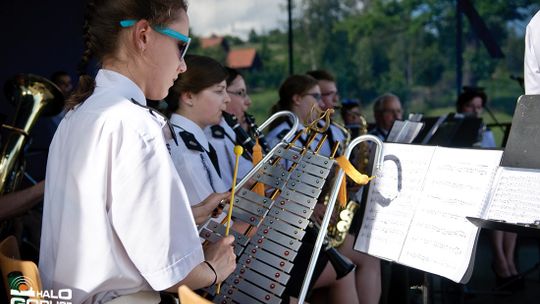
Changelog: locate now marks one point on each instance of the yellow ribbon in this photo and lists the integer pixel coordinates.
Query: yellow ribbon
(257, 157)
(355, 175)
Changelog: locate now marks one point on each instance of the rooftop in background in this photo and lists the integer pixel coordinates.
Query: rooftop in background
(211, 41)
(243, 59)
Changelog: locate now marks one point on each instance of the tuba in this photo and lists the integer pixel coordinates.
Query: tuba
(32, 96)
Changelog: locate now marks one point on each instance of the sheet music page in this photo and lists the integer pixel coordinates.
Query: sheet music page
(441, 240)
(404, 131)
(515, 197)
(389, 212)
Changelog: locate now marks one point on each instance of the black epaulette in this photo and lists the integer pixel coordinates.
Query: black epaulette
(217, 131)
(283, 133)
(190, 141)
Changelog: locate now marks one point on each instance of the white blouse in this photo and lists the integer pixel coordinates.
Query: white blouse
(192, 160)
(116, 218)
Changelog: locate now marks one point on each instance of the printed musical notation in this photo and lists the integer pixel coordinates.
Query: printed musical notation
(516, 198)
(388, 212)
(424, 226)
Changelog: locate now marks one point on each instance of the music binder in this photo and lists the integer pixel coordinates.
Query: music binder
(415, 213)
(421, 225)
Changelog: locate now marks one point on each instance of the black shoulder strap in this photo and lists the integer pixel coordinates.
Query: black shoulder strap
(217, 131)
(214, 158)
(190, 141)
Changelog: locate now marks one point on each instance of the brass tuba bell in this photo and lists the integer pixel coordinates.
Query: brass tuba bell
(32, 96)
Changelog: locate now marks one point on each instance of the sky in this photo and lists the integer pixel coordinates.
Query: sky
(236, 17)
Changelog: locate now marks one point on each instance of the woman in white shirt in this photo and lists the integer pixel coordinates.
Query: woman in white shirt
(117, 223)
(222, 135)
(196, 101)
(300, 94)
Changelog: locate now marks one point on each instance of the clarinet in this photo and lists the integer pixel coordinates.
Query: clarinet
(242, 136)
(255, 133)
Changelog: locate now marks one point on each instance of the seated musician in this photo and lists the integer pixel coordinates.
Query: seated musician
(240, 100)
(299, 94)
(240, 103)
(196, 101)
(223, 138)
(329, 100)
(472, 102)
(386, 110)
(117, 223)
(368, 271)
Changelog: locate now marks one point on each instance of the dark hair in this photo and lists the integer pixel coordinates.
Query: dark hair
(379, 101)
(55, 77)
(202, 72)
(346, 107)
(232, 74)
(293, 85)
(468, 94)
(102, 27)
(321, 75)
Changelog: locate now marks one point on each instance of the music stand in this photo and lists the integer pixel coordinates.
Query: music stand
(519, 228)
(524, 138)
(520, 152)
(452, 130)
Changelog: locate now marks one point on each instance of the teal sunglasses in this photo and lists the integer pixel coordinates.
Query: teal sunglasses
(184, 40)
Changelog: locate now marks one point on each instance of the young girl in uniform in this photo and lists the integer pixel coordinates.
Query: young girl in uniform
(117, 222)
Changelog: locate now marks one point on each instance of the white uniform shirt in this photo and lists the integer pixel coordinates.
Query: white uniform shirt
(193, 165)
(532, 56)
(224, 145)
(112, 200)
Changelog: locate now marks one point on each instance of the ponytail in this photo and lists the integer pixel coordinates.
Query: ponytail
(86, 84)
(102, 29)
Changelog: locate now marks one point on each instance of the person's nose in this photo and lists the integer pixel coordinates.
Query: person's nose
(182, 67)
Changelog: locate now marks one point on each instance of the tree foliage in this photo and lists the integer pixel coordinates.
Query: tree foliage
(407, 46)
(402, 46)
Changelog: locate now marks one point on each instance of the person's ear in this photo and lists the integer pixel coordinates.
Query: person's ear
(297, 99)
(141, 34)
(186, 98)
